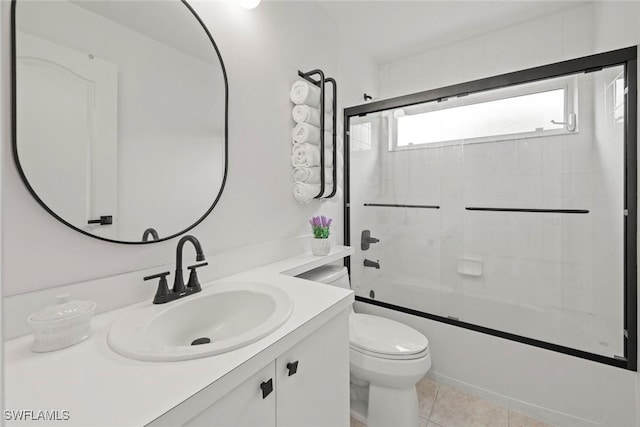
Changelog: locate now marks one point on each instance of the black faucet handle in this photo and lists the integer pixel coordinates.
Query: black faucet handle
(194, 266)
(194, 283)
(366, 240)
(163, 293)
(160, 275)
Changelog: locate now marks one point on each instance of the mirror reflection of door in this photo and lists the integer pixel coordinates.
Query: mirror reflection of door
(146, 88)
(72, 97)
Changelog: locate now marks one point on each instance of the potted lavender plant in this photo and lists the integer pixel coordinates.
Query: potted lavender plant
(320, 245)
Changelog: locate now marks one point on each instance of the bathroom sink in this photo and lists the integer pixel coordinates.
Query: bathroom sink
(219, 319)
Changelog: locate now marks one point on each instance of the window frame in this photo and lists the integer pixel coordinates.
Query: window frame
(568, 84)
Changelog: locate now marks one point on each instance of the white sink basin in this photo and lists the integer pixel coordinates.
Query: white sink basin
(231, 315)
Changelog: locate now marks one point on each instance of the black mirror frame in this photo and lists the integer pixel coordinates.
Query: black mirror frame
(14, 138)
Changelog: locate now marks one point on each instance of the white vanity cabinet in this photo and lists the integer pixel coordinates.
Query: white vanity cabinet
(244, 406)
(317, 394)
(310, 384)
(221, 390)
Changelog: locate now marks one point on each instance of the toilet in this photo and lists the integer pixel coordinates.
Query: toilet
(387, 359)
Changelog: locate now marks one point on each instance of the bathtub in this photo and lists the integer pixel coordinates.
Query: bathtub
(583, 331)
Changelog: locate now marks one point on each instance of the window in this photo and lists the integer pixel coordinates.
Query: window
(529, 110)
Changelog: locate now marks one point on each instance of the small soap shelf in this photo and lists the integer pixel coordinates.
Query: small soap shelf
(317, 78)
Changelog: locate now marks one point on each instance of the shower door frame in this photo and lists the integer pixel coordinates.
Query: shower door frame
(626, 57)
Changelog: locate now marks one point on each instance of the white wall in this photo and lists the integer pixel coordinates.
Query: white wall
(556, 387)
(5, 135)
(554, 38)
(262, 50)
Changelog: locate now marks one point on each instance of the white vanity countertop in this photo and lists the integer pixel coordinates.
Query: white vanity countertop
(98, 387)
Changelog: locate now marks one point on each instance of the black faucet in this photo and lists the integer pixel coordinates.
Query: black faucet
(178, 281)
(163, 294)
(369, 263)
(150, 232)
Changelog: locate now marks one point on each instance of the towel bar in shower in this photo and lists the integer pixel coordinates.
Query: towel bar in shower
(562, 211)
(393, 205)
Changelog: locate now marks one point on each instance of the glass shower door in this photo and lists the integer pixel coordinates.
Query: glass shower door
(502, 209)
(395, 198)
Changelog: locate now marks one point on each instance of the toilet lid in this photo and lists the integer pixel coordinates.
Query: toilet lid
(385, 336)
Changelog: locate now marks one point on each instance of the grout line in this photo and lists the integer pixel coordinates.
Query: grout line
(434, 402)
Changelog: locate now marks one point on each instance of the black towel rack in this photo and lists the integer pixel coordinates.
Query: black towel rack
(321, 84)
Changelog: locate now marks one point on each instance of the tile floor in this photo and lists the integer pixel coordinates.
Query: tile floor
(444, 406)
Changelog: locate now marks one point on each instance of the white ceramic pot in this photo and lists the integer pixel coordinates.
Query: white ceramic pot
(320, 247)
(61, 325)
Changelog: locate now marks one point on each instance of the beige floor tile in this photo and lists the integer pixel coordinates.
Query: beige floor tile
(427, 391)
(454, 408)
(432, 424)
(516, 419)
(356, 423)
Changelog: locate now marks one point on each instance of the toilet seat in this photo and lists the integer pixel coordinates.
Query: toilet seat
(385, 338)
(423, 353)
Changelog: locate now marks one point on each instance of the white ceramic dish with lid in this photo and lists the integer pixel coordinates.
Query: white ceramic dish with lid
(61, 325)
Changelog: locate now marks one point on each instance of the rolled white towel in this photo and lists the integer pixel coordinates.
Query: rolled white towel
(305, 132)
(311, 175)
(309, 155)
(303, 92)
(304, 114)
(304, 193)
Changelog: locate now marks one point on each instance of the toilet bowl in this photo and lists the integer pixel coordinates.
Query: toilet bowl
(387, 359)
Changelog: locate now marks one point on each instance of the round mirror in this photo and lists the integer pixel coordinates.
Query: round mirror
(120, 115)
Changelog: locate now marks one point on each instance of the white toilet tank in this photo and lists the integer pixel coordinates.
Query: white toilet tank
(335, 275)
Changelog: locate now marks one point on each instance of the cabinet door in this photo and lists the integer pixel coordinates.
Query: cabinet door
(244, 406)
(317, 394)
